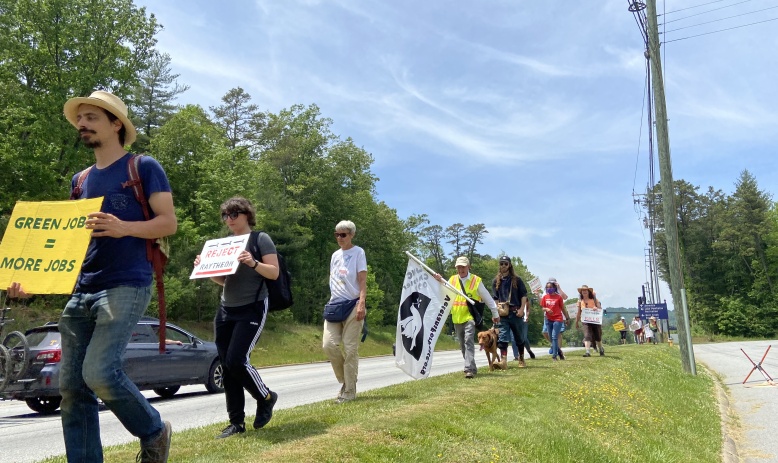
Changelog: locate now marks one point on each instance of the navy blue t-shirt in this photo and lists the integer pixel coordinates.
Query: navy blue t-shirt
(112, 262)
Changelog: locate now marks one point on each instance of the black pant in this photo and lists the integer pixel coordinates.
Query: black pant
(237, 330)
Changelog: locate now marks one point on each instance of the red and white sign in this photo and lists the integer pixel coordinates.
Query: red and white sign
(535, 285)
(593, 315)
(219, 257)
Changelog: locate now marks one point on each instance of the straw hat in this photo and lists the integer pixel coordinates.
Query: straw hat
(584, 287)
(108, 101)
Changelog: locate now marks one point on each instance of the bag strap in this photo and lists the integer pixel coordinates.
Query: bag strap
(78, 190)
(254, 244)
(153, 251)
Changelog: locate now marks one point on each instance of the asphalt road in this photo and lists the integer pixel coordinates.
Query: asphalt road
(28, 437)
(756, 401)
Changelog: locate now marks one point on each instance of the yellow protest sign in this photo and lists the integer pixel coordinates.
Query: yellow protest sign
(45, 244)
(619, 326)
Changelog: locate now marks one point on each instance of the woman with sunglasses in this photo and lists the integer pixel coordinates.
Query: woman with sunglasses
(348, 285)
(509, 287)
(241, 316)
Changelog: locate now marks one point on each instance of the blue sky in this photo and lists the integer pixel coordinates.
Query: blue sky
(526, 116)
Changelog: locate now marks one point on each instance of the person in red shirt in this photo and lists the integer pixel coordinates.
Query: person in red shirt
(556, 316)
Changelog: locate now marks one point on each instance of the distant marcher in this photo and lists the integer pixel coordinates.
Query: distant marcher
(556, 316)
(509, 287)
(464, 325)
(636, 326)
(113, 288)
(241, 317)
(592, 332)
(654, 326)
(348, 285)
(623, 332)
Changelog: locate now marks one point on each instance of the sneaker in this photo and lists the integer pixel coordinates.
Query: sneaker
(522, 364)
(469, 375)
(554, 359)
(587, 354)
(561, 355)
(602, 352)
(516, 359)
(158, 449)
(231, 430)
(265, 410)
(531, 355)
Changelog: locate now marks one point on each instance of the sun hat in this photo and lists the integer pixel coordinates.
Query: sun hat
(462, 261)
(108, 101)
(584, 287)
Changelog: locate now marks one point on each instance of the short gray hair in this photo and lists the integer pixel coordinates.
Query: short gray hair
(346, 225)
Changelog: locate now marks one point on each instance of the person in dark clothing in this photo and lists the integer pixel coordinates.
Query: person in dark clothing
(240, 318)
(508, 288)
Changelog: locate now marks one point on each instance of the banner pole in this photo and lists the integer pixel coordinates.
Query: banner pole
(432, 272)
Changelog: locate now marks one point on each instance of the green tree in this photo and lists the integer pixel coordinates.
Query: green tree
(152, 98)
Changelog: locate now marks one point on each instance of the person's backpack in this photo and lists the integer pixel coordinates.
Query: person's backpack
(154, 252)
(279, 291)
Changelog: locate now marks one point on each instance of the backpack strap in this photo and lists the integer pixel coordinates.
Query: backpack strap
(78, 190)
(255, 251)
(153, 251)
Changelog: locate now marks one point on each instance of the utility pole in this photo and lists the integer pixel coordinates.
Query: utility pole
(668, 197)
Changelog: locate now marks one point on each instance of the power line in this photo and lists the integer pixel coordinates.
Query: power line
(721, 19)
(720, 30)
(704, 12)
(689, 8)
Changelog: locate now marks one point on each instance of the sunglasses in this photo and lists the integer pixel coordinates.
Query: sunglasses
(504, 264)
(231, 215)
(341, 235)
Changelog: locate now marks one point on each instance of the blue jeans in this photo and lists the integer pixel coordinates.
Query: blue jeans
(95, 330)
(554, 329)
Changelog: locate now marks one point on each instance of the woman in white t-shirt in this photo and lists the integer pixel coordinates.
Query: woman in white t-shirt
(348, 282)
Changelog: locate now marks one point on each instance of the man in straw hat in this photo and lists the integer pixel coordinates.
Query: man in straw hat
(113, 287)
(464, 324)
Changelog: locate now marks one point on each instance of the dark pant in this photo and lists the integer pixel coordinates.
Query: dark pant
(511, 325)
(235, 339)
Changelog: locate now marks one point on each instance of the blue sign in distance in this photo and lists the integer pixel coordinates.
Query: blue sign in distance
(659, 311)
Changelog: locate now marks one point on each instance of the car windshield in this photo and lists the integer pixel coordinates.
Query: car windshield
(43, 338)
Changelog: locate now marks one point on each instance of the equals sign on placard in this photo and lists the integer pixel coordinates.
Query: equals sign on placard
(49, 243)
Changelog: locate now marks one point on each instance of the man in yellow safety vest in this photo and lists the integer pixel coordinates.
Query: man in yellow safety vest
(464, 325)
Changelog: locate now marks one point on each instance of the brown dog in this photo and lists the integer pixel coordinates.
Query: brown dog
(488, 342)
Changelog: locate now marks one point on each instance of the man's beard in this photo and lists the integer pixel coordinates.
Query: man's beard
(90, 143)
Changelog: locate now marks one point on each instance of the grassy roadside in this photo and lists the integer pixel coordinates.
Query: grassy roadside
(633, 405)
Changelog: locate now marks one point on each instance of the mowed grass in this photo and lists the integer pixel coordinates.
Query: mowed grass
(633, 405)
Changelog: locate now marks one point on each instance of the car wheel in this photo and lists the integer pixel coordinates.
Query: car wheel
(44, 404)
(166, 392)
(215, 378)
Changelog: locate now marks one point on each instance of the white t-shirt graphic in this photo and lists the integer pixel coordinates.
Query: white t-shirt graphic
(344, 267)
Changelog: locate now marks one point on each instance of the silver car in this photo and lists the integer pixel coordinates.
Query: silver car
(187, 360)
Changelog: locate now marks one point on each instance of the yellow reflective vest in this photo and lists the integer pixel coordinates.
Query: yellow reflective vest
(459, 312)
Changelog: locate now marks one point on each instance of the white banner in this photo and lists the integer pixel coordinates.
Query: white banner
(535, 285)
(219, 257)
(424, 306)
(591, 316)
